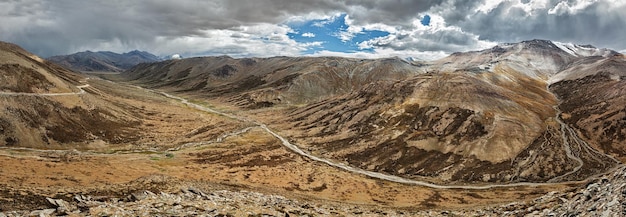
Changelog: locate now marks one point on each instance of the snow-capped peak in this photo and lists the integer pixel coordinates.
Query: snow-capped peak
(582, 51)
(413, 59)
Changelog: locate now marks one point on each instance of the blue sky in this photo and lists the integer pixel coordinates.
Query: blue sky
(328, 32)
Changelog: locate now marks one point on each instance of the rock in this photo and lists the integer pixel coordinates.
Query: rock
(43, 212)
(593, 187)
(63, 207)
(197, 191)
(136, 196)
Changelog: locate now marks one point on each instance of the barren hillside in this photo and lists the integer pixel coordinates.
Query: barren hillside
(482, 116)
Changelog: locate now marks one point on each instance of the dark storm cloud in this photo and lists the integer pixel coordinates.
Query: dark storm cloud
(455, 11)
(71, 24)
(64, 26)
(449, 40)
(392, 12)
(600, 24)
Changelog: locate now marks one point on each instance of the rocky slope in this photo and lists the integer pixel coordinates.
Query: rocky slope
(593, 94)
(602, 196)
(194, 202)
(103, 61)
(467, 122)
(35, 119)
(24, 72)
(46, 106)
(482, 116)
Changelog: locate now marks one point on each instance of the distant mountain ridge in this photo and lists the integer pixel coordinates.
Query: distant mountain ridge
(39, 119)
(104, 61)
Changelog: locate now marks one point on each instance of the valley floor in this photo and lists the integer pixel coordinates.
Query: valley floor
(191, 155)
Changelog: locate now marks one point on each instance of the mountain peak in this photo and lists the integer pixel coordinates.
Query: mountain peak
(583, 50)
(104, 60)
(572, 49)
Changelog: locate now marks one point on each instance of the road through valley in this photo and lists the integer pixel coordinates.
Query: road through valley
(286, 143)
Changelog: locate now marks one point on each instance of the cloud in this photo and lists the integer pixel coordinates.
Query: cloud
(437, 36)
(384, 53)
(261, 40)
(308, 35)
(64, 26)
(599, 23)
(565, 7)
(261, 27)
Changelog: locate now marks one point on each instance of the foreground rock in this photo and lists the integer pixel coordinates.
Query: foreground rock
(604, 196)
(194, 202)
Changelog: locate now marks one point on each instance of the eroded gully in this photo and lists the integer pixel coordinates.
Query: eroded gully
(569, 136)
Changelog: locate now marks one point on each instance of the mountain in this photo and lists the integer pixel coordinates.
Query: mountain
(476, 133)
(593, 101)
(511, 113)
(480, 116)
(44, 105)
(103, 61)
(27, 73)
(49, 107)
(262, 82)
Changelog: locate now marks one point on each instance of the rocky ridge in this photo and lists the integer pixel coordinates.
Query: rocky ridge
(404, 119)
(103, 61)
(463, 116)
(253, 83)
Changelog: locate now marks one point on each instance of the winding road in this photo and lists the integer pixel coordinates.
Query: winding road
(371, 174)
(565, 133)
(569, 136)
(566, 145)
(47, 94)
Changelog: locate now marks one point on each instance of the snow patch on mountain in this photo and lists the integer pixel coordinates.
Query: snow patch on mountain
(582, 50)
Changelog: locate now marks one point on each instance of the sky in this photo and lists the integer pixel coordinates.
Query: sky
(423, 29)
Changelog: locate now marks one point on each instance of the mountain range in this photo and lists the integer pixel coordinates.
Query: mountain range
(103, 61)
(533, 111)
(508, 123)
(47, 106)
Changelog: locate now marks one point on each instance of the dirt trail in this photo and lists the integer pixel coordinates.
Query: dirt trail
(571, 138)
(47, 94)
(565, 131)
